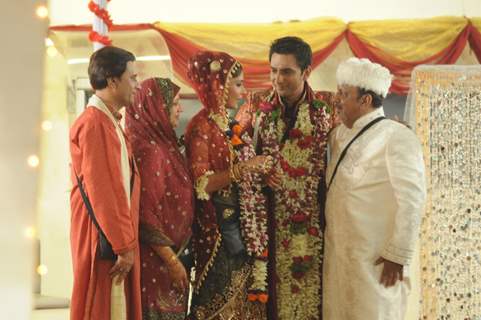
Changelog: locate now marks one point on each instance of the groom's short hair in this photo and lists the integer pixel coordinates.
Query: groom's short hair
(293, 45)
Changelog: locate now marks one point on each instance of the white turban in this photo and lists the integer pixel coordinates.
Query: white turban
(364, 74)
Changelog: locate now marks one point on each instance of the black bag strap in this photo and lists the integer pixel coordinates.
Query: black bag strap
(132, 176)
(88, 205)
(344, 152)
(86, 200)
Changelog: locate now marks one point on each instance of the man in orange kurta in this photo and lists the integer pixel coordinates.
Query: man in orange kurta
(102, 159)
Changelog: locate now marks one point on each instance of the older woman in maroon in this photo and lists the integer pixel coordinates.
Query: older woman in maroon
(166, 202)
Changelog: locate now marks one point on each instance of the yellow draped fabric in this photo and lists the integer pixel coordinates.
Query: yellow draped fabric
(410, 40)
(252, 41)
(407, 40)
(399, 45)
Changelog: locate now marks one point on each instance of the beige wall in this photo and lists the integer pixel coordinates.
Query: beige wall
(21, 61)
(53, 209)
(75, 12)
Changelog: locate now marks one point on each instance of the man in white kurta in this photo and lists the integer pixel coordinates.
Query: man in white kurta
(374, 204)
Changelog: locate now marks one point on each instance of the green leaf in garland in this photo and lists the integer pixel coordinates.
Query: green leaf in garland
(328, 109)
(275, 114)
(298, 228)
(318, 104)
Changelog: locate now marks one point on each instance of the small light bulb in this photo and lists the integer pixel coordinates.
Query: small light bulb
(42, 12)
(30, 232)
(52, 51)
(47, 125)
(33, 161)
(42, 270)
(48, 42)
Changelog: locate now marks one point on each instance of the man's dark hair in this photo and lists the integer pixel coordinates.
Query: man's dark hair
(377, 99)
(295, 46)
(105, 63)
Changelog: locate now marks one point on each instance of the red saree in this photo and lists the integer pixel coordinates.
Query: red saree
(221, 278)
(166, 202)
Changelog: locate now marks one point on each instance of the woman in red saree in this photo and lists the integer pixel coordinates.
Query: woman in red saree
(166, 203)
(224, 263)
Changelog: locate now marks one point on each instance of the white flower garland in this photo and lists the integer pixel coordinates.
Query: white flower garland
(253, 205)
(254, 218)
(296, 206)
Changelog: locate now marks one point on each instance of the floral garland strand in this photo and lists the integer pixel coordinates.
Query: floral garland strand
(253, 217)
(104, 15)
(94, 36)
(254, 225)
(253, 207)
(298, 161)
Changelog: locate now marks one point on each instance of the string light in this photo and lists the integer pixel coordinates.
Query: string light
(47, 125)
(42, 270)
(41, 12)
(52, 51)
(30, 232)
(33, 161)
(48, 42)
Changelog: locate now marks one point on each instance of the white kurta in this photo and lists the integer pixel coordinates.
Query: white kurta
(373, 210)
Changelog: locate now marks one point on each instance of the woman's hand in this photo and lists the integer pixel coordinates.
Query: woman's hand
(176, 270)
(178, 275)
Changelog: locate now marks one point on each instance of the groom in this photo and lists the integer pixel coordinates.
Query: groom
(292, 126)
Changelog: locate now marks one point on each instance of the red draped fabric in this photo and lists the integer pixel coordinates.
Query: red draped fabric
(402, 69)
(475, 41)
(256, 73)
(115, 27)
(167, 197)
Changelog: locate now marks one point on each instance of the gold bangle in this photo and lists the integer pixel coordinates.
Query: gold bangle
(235, 173)
(170, 261)
(240, 168)
(231, 173)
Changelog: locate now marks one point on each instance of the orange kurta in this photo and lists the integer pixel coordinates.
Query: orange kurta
(95, 150)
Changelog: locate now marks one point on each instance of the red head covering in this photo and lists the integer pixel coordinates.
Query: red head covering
(166, 203)
(210, 73)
